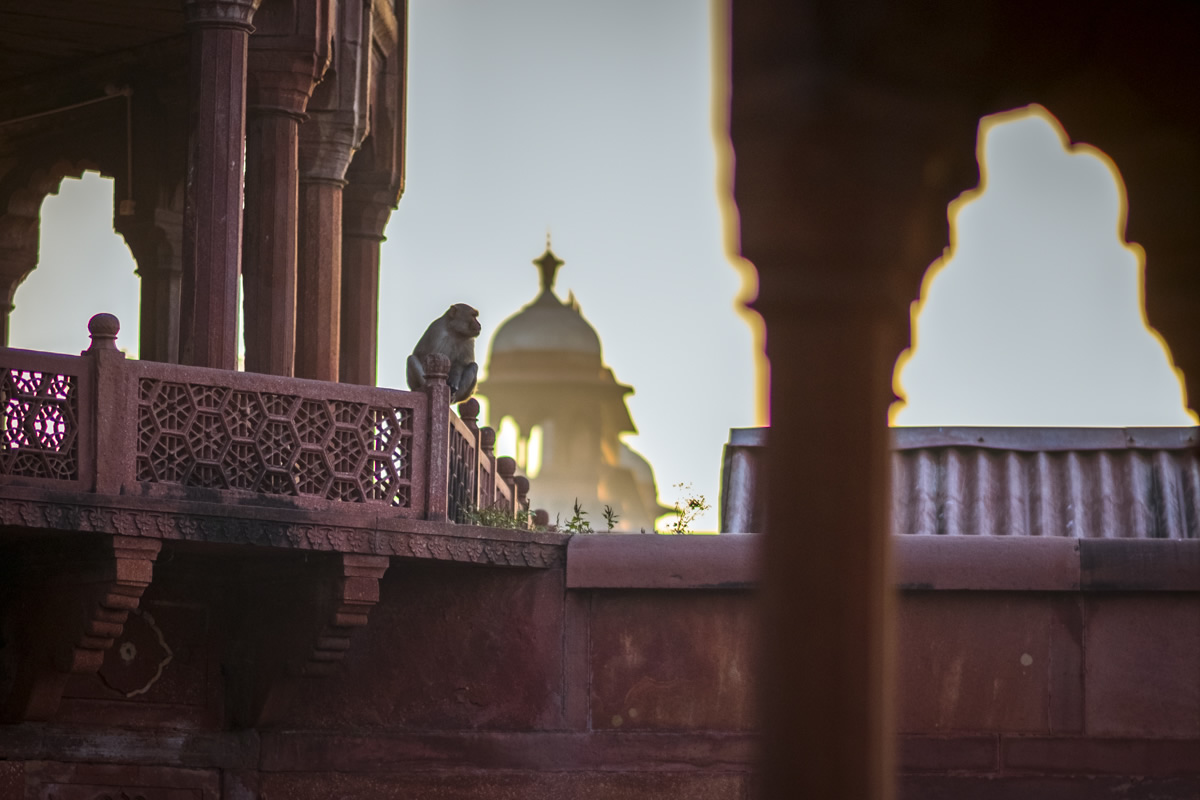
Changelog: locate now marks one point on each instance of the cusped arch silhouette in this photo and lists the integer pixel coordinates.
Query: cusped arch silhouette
(1035, 313)
(87, 269)
(22, 193)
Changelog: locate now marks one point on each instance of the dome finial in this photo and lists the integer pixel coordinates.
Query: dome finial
(548, 263)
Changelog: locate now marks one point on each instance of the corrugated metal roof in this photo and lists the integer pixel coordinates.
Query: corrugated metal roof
(1139, 483)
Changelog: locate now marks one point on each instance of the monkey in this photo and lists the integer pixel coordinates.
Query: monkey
(453, 335)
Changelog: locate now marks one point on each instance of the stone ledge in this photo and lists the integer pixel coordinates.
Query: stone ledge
(920, 563)
(358, 532)
(1023, 563)
(986, 563)
(549, 751)
(32, 741)
(658, 561)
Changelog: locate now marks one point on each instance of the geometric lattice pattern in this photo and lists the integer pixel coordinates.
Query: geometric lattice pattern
(41, 429)
(460, 488)
(277, 444)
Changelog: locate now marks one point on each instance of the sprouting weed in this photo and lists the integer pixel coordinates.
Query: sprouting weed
(687, 509)
(610, 517)
(578, 523)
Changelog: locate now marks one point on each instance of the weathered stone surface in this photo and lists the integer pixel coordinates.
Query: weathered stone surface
(1143, 665)
(449, 647)
(668, 661)
(974, 663)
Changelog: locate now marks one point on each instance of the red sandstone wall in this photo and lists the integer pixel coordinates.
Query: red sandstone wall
(1027, 668)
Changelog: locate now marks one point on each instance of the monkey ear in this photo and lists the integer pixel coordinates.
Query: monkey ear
(453, 312)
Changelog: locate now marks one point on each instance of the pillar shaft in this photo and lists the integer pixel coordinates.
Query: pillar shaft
(319, 303)
(158, 329)
(363, 222)
(269, 253)
(212, 227)
(825, 594)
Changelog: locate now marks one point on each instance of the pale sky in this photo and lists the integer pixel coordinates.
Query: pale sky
(596, 121)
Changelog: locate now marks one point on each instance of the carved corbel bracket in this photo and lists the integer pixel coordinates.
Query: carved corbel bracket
(296, 624)
(354, 592)
(69, 601)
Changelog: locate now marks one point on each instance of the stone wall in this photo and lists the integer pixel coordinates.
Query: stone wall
(1026, 668)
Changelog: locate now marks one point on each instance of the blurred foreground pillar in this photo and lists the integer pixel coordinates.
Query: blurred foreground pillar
(840, 213)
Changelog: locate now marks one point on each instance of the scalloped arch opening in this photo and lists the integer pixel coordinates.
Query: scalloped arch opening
(1035, 313)
(84, 268)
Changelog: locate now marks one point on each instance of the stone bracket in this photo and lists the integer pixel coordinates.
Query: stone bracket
(297, 622)
(67, 604)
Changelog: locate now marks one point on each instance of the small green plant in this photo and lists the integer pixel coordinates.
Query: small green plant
(610, 517)
(687, 509)
(578, 523)
(496, 517)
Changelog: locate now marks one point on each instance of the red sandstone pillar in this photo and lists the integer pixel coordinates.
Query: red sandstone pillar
(336, 127)
(363, 221)
(279, 87)
(269, 248)
(212, 218)
(154, 238)
(319, 301)
(289, 53)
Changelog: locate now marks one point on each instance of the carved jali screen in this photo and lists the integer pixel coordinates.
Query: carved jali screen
(277, 444)
(41, 424)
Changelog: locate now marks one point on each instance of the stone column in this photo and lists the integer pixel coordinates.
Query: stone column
(319, 302)
(364, 217)
(219, 31)
(376, 181)
(279, 88)
(289, 53)
(336, 127)
(156, 244)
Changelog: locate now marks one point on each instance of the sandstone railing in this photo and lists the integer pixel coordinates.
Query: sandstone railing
(98, 422)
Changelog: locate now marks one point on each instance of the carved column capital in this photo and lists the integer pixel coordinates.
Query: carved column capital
(366, 210)
(281, 81)
(327, 143)
(220, 13)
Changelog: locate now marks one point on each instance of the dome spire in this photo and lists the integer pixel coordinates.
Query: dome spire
(548, 263)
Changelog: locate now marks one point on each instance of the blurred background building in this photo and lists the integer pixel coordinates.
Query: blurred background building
(546, 377)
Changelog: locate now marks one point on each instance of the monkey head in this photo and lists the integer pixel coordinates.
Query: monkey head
(464, 319)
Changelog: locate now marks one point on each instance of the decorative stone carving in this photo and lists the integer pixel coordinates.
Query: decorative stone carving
(449, 543)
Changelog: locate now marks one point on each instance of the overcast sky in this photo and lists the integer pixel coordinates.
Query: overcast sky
(596, 121)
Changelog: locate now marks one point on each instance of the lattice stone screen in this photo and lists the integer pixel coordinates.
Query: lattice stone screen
(275, 444)
(461, 478)
(41, 424)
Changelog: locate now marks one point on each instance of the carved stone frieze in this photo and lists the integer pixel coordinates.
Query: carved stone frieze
(365, 539)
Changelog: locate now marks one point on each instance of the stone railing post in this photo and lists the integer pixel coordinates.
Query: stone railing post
(113, 432)
(468, 412)
(487, 451)
(437, 367)
(522, 484)
(506, 468)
